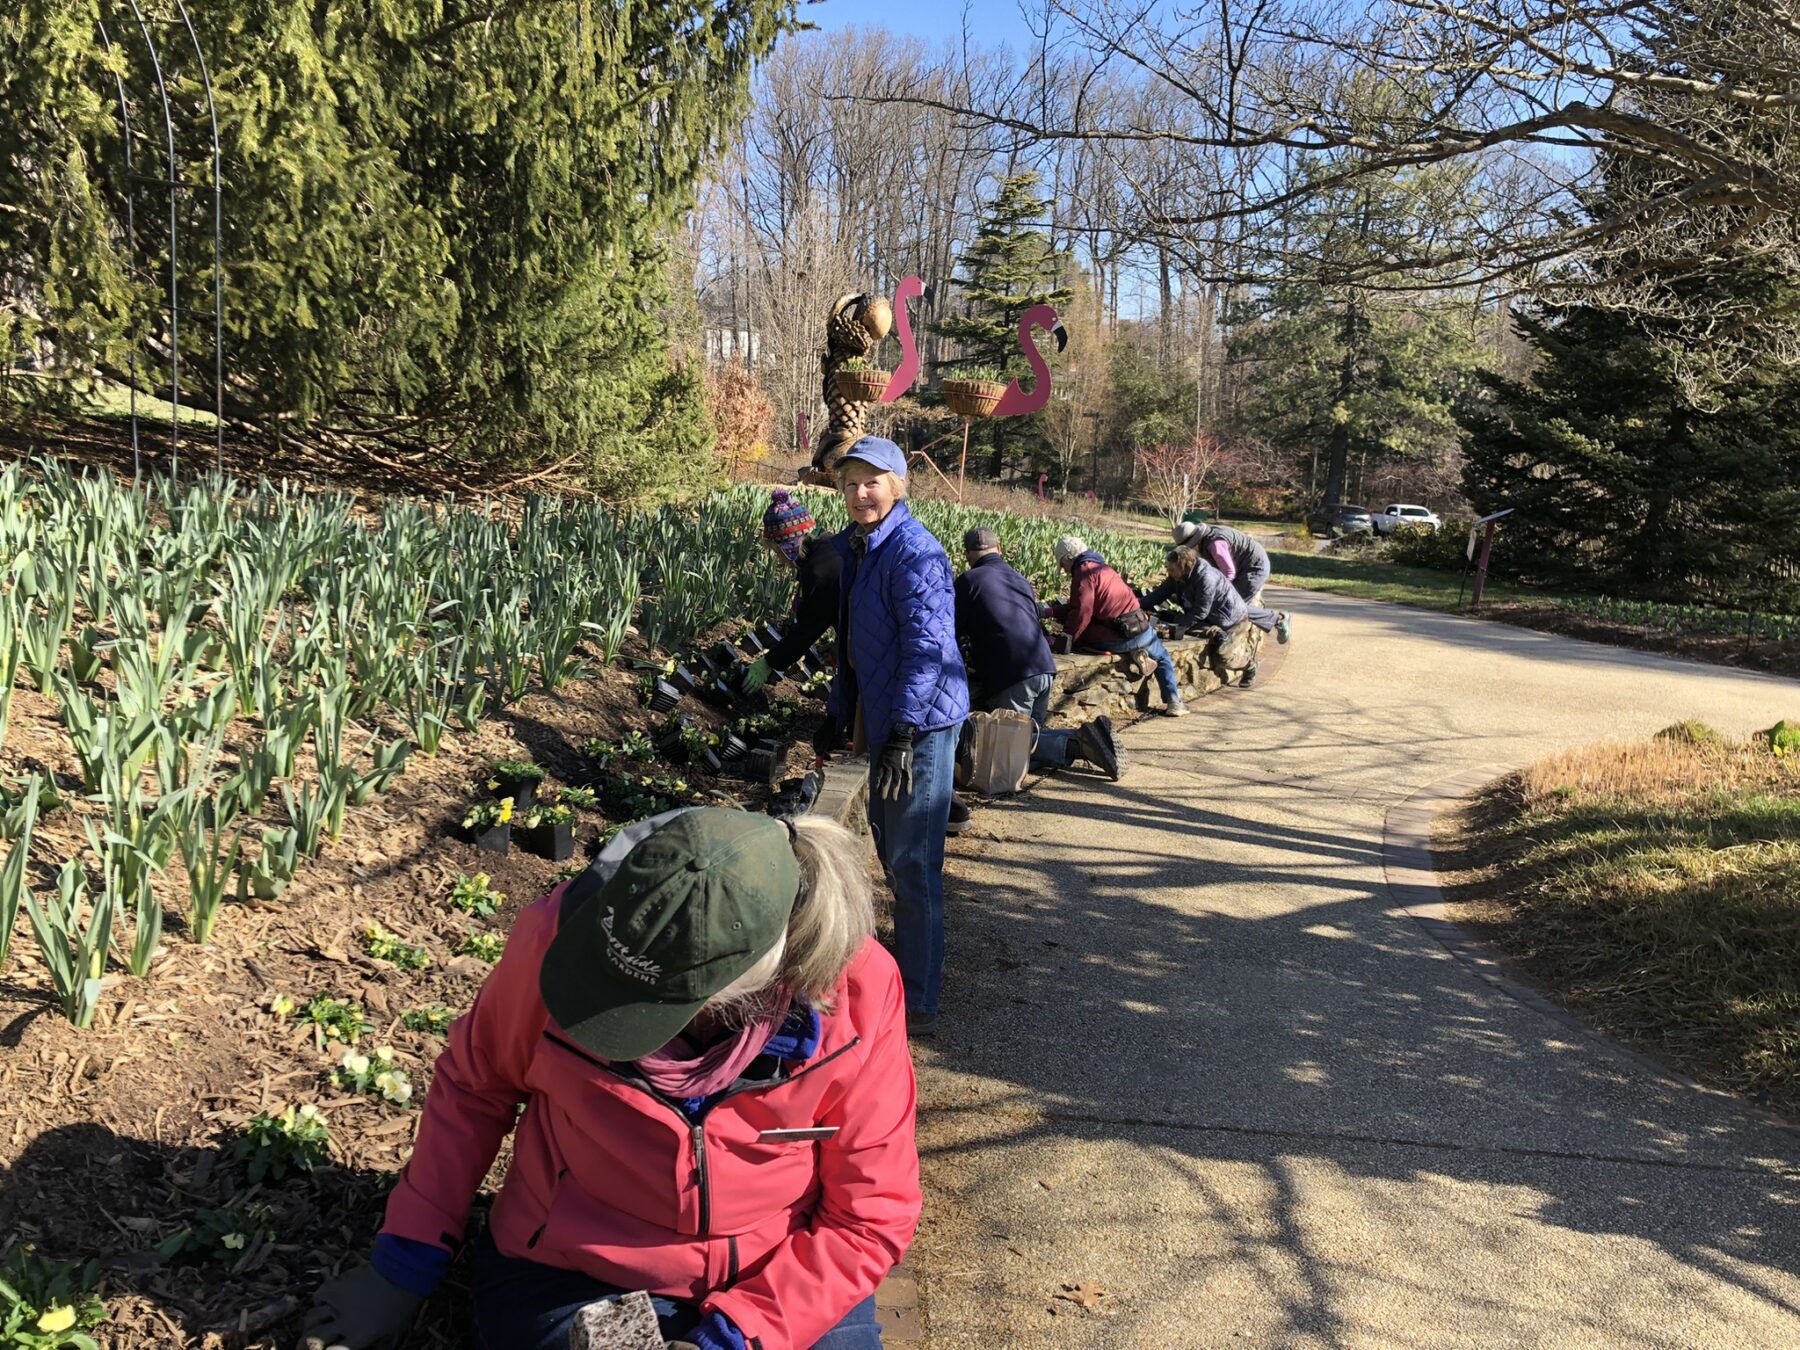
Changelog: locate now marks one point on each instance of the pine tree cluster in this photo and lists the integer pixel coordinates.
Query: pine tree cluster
(445, 221)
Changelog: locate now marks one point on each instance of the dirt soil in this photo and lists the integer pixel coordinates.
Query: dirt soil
(1777, 658)
(115, 1138)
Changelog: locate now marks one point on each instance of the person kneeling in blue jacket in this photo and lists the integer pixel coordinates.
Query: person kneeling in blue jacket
(1009, 659)
(900, 680)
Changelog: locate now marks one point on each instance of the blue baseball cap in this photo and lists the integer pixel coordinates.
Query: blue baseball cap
(879, 452)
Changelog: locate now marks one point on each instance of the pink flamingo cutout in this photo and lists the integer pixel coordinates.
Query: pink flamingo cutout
(908, 370)
(1016, 402)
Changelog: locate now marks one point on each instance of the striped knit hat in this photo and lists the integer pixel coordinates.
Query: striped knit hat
(786, 524)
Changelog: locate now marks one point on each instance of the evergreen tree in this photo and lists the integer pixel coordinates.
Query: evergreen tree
(444, 219)
(1618, 482)
(1634, 461)
(1339, 369)
(1009, 268)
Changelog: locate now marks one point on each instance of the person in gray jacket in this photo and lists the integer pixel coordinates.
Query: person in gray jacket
(1203, 594)
(1244, 562)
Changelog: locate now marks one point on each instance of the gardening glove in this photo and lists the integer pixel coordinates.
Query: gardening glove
(827, 738)
(757, 676)
(358, 1310)
(893, 771)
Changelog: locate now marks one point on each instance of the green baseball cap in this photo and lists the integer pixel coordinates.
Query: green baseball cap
(692, 907)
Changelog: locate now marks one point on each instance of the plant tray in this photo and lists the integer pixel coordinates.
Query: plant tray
(973, 398)
(863, 386)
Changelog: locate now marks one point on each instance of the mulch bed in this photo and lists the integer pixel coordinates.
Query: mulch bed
(116, 1137)
(1777, 658)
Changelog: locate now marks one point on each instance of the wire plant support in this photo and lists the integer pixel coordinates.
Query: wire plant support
(163, 76)
(137, 461)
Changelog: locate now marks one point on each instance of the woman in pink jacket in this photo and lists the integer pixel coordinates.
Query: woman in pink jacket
(700, 1050)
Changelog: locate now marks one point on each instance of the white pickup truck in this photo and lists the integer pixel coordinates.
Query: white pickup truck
(1396, 514)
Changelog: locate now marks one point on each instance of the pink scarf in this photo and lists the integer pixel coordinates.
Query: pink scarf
(678, 1071)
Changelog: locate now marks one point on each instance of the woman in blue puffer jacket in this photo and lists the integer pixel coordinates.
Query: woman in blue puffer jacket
(899, 664)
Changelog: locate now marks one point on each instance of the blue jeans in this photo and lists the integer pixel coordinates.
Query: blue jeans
(909, 840)
(1032, 696)
(1148, 641)
(525, 1305)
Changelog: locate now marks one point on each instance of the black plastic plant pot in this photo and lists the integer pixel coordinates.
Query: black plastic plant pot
(664, 697)
(670, 732)
(733, 748)
(683, 679)
(709, 760)
(769, 634)
(710, 663)
(494, 839)
(523, 791)
(761, 767)
(752, 643)
(767, 760)
(555, 842)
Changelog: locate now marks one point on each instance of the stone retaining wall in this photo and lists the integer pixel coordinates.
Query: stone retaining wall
(1125, 686)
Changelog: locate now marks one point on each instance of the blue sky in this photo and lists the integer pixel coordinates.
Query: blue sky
(991, 22)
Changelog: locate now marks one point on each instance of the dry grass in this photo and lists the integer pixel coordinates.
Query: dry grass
(1654, 887)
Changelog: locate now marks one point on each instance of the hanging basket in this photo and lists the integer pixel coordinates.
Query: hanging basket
(974, 398)
(862, 386)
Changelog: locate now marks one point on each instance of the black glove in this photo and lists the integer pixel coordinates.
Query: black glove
(827, 738)
(893, 771)
(358, 1310)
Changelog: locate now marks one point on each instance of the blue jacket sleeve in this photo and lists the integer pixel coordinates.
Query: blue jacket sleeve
(920, 597)
(1151, 599)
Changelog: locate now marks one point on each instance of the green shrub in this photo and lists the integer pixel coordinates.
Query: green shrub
(1688, 733)
(1444, 549)
(1784, 737)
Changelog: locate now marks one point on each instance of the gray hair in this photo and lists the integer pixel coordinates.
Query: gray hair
(833, 918)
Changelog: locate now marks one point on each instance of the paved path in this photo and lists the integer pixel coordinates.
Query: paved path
(1194, 1056)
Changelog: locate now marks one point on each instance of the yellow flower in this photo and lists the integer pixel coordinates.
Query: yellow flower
(281, 1005)
(506, 810)
(59, 1318)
